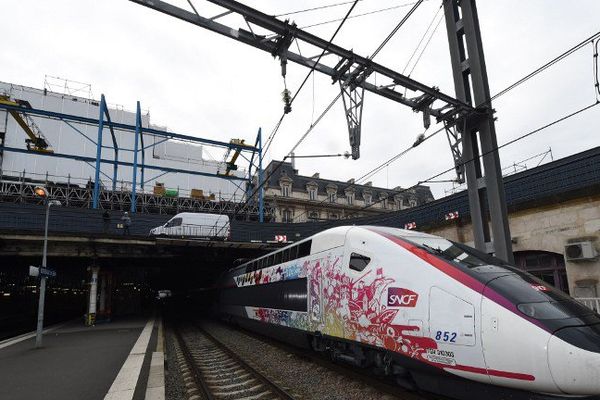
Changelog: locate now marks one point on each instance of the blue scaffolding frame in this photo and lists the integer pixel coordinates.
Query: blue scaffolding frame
(138, 129)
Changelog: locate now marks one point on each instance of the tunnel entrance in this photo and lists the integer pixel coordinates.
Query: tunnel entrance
(119, 286)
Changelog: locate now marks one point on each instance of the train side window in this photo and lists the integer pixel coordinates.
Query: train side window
(277, 258)
(304, 249)
(286, 256)
(358, 262)
(269, 261)
(293, 253)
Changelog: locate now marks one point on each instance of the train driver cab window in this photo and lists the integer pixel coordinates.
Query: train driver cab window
(358, 262)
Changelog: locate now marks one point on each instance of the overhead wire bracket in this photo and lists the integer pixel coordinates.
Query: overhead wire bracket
(455, 142)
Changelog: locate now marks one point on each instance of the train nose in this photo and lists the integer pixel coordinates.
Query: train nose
(574, 360)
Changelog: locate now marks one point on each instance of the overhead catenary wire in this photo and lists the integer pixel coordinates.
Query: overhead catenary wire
(560, 57)
(272, 135)
(312, 70)
(377, 169)
(380, 10)
(379, 48)
(464, 162)
(422, 39)
(285, 14)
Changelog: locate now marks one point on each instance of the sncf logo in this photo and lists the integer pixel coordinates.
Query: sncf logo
(399, 297)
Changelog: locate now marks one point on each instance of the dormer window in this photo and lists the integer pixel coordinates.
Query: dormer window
(350, 198)
(285, 190)
(368, 199)
(383, 199)
(332, 197)
(312, 188)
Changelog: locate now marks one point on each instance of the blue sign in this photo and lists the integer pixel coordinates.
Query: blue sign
(47, 272)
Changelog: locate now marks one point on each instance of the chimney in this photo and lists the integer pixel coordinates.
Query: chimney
(293, 157)
(316, 175)
(370, 183)
(351, 181)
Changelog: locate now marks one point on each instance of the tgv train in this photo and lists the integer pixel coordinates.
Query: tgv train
(434, 313)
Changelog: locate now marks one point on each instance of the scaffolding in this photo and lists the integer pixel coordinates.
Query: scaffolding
(95, 195)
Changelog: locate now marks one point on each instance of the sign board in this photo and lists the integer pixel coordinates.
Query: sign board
(42, 272)
(281, 238)
(47, 272)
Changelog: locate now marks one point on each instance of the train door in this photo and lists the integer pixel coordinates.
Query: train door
(453, 326)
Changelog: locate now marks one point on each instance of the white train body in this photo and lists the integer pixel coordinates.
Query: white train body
(430, 302)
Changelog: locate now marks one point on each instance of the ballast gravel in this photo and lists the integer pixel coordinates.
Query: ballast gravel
(301, 377)
(174, 385)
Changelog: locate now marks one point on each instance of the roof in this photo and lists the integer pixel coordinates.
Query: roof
(300, 182)
(556, 181)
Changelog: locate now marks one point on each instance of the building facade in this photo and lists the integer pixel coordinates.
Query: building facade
(299, 198)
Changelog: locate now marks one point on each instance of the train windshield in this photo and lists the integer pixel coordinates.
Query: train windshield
(461, 254)
(532, 296)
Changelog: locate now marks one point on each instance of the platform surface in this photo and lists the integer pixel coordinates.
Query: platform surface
(75, 362)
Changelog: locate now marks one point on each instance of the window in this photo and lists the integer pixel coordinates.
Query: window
(293, 253)
(286, 256)
(304, 249)
(174, 222)
(287, 216)
(358, 262)
(332, 197)
(384, 203)
(277, 258)
(285, 190)
(312, 194)
(368, 199)
(313, 215)
(350, 198)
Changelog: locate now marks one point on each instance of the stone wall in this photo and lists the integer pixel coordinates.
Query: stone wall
(550, 228)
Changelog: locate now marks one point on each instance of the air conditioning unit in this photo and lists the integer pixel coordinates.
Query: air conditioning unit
(580, 251)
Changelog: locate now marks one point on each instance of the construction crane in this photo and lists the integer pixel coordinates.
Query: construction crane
(36, 141)
(230, 165)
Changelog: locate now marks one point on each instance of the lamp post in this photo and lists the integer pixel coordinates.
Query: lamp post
(43, 193)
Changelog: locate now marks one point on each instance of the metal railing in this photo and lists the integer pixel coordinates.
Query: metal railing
(591, 302)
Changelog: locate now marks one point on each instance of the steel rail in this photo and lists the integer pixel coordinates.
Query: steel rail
(268, 384)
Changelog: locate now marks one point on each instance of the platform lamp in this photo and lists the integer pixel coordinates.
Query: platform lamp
(42, 192)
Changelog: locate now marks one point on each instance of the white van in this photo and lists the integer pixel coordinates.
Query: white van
(187, 224)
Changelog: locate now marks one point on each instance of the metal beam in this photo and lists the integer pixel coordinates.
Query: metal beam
(478, 133)
(115, 148)
(96, 193)
(121, 163)
(138, 126)
(125, 127)
(446, 111)
(261, 190)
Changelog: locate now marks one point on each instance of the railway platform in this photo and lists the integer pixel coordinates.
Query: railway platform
(112, 361)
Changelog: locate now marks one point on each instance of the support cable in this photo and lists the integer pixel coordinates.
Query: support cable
(519, 138)
(422, 39)
(359, 15)
(312, 69)
(550, 63)
(335, 99)
(420, 139)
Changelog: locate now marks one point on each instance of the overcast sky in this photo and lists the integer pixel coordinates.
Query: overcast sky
(200, 83)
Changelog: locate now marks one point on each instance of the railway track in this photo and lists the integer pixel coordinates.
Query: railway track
(319, 360)
(218, 373)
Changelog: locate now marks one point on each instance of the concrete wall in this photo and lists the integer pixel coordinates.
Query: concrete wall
(550, 228)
